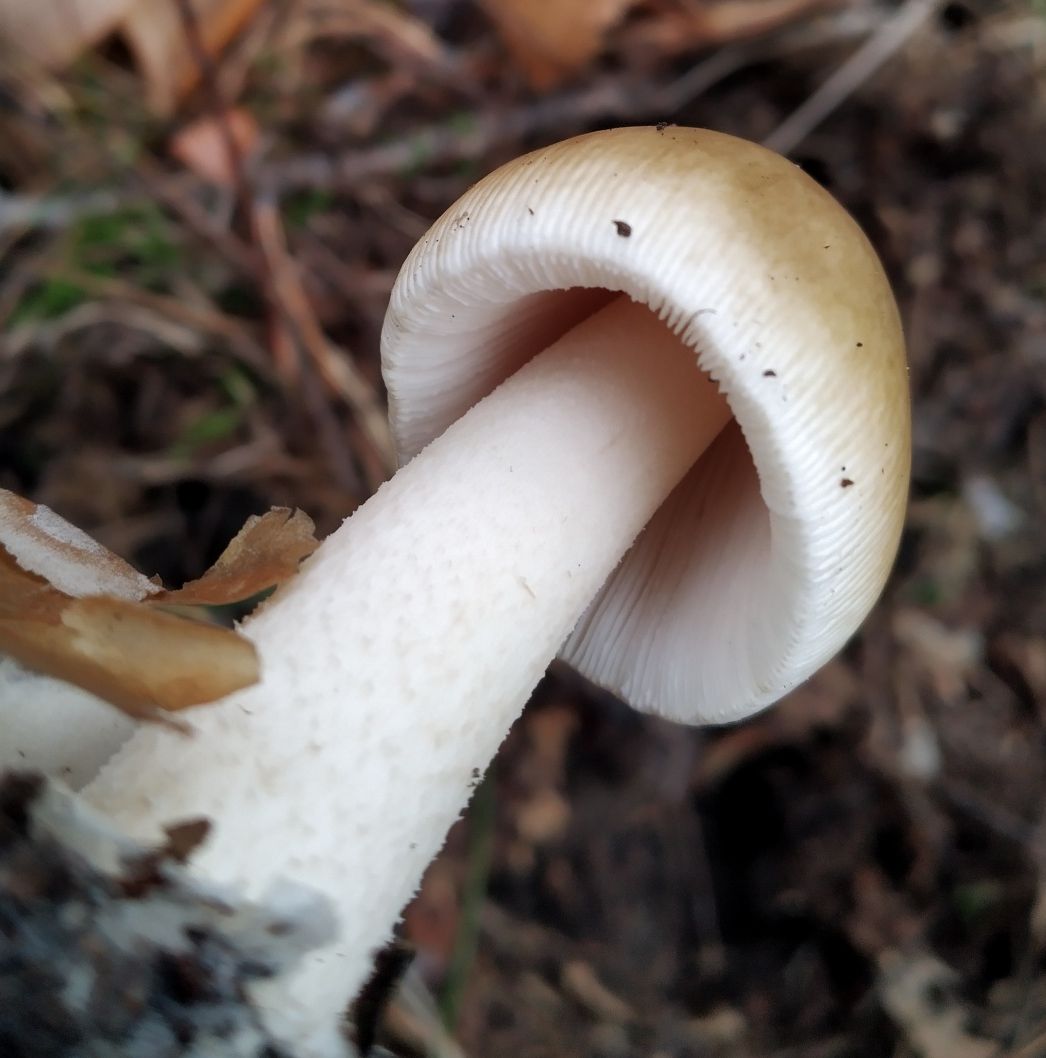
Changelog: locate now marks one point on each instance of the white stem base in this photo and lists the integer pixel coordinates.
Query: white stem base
(51, 726)
(396, 662)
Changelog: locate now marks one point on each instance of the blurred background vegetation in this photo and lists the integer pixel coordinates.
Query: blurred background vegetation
(203, 206)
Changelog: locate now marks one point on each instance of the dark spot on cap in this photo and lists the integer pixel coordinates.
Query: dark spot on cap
(769, 374)
(624, 229)
(860, 345)
(530, 211)
(845, 483)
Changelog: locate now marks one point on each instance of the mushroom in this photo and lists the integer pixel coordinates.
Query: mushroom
(649, 390)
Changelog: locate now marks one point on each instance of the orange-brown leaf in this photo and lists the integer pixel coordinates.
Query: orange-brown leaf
(134, 656)
(264, 553)
(719, 23)
(203, 145)
(54, 32)
(551, 39)
(163, 50)
(735, 19)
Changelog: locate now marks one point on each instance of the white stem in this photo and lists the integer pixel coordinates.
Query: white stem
(53, 727)
(396, 661)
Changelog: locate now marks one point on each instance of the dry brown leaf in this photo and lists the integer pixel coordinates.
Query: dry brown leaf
(164, 51)
(734, 19)
(44, 543)
(264, 553)
(718, 23)
(405, 38)
(134, 656)
(54, 32)
(203, 147)
(551, 39)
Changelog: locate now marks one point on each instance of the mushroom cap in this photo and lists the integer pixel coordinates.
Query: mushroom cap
(769, 554)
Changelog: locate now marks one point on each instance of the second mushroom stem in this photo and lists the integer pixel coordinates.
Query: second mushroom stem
(395, 663)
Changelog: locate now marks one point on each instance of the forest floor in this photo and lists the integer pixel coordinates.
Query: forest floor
(859, 872)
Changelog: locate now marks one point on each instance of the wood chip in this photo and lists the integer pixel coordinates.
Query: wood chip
(132, 655)
(265, 552)
(72, 610)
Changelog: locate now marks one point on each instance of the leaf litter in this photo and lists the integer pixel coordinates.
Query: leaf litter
(121, 645)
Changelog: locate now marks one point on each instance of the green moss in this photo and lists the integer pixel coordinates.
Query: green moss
(136, 243)
(300, 208)
(208, 428)
(47, 300)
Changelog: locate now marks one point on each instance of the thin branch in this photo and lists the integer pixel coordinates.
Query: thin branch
(334, 366)
(297, 337)
(610, 98)
(216, 103)
(862, 65)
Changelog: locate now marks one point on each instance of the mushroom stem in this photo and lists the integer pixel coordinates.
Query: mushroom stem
(396, 661)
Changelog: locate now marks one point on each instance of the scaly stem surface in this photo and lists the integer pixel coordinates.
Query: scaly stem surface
(394, 664)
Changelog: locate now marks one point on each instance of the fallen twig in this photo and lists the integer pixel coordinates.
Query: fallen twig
(607, 98)
(337, 369)
(611, 98)
(863, 64)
